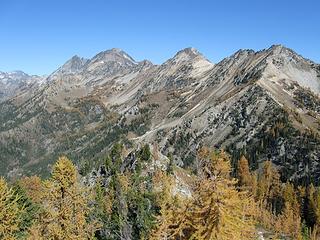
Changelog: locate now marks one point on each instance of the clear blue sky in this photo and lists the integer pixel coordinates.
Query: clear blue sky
(37, 36)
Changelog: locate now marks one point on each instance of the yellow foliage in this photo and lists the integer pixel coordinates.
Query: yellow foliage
(65, 206)
(244, 175)
(287, 221)
(217, 209)
(33, 187)
(162, 185)
(64, 173)
(10, 212)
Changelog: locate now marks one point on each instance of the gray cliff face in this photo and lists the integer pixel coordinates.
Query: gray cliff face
(75, 65)
(262, 104)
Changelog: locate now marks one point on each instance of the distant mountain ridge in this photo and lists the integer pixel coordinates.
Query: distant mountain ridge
(263, 104)
(11, 83)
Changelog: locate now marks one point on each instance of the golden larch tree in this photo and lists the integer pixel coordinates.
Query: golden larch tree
(33, 187)
(244, 175)
(10, 212)
(65, 206)
(217, 209)
(170, 206)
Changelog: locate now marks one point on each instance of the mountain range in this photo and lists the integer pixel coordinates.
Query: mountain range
(261, 104)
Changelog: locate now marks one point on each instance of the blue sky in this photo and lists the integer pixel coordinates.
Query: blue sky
(37, 36)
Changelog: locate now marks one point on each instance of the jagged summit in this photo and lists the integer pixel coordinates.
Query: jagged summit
(241, 53)
(187, 54)
(279, 49)
(113, 55)
(74, 65)
(17, 77)
(11, 83)
(146, 63)
(77, 58)
(277, 46)
(18, 72)
(190, 51)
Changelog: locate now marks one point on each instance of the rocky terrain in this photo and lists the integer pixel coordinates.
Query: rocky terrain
(17, 82)
(262, 104)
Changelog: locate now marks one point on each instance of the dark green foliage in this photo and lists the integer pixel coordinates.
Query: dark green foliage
(76, 142)
(180, 142)
(141, 212)
(12, 117)
(131, 207)
(306, 99)
(309, 208)
(30, 212)
(171, 163)
(284, 145)
(115, 154)
(145, 154)
(117, 224)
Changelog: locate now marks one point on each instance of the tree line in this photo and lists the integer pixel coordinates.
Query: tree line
(134, 198)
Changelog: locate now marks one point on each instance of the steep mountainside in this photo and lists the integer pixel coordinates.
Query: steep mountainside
(262, 104)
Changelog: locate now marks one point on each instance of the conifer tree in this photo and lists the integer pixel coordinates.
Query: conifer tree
(269, 189)
(65, 206)
(288, 222)
(145, 153)
(30, 212)
(11, 213)
(244, 175)
(220, 211)
(169, 206)
(317, 202)
(310, 207)
(33, 188)
(141, 209)
(216, 211)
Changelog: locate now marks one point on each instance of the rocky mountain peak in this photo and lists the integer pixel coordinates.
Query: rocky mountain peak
(18, 73)
(73, 65)
(190, 51)
(284, 52)
(288, 65)
(243, 52)
(76, 59)
(146, 63)
(13, 76)
(187, 54)
(114, 55)
(238, 56)
(277, 47)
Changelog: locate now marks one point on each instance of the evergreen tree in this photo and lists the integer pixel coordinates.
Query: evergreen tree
(171, 164)
(310, 207)
(145, 153)
(30, 212)
(140, 206)
(103, 208)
